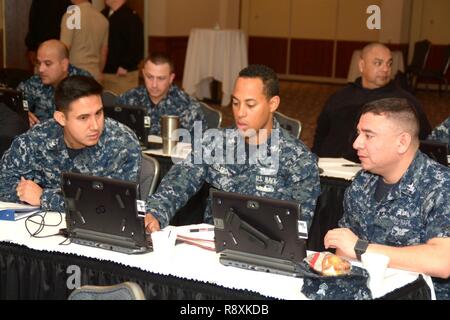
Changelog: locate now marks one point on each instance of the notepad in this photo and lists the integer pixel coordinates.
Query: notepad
(15, 211)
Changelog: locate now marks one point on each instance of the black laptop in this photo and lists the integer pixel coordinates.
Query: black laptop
(134, 117)
(436, 150)
(104, 213)
(257, 233)
(13, 99)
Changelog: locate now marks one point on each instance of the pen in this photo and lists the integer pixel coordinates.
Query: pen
(201, 229)
(351, 165)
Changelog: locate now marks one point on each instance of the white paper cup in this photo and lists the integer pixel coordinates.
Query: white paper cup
(376, 264)
(164, 243)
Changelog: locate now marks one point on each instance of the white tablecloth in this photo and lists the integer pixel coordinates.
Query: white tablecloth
(353, 71)
(189, 262)
(214, 54)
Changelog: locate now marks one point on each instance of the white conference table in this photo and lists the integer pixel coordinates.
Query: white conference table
(188, 262)
(214, 54)
(353, 71)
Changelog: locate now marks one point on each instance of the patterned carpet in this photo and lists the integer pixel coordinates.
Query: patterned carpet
(304, 101)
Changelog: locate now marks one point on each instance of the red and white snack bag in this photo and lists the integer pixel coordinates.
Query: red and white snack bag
(328, 264)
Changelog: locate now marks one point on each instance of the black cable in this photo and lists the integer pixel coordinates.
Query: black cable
(42, 225)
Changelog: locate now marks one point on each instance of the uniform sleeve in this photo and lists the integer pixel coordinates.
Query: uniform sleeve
(178, 186)
(344, 222)
(12, 167)
(305, 185)
(16, 163)
(192, 114)
(130, 161)
(438, 219)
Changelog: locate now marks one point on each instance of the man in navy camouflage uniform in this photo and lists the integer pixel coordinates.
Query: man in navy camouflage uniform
(53, 66)
(161, 97)
(287, 171)
(442, 132)
(78, 139)
(399, 204)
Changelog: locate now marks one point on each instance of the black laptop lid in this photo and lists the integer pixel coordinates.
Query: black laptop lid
(256, 225)
(14, 100)
(134, 117)
(435, 150)
(102, 209)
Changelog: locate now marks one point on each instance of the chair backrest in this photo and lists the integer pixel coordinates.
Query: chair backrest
(420, 55)
(109, 98)
(446, 61)
(11, 77)
(148, 176)
(213, 116)
(292, 125)
(121, 291)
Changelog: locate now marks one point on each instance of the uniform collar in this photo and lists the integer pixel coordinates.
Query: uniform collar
(407, 185)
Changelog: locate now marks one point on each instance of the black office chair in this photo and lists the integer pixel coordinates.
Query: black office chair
(439, 74)
(12, 77)
(292, 125)
(419, 60)
(121, 291)
(148, 176)
(213, 116)
(109, 98)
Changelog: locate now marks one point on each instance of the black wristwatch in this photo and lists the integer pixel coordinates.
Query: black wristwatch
(360, 248)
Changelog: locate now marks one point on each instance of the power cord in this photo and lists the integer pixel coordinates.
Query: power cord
(41, 224)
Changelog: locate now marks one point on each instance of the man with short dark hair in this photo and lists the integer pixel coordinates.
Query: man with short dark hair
(336, 124)
(399, 204)
(162, 97)
(53, 66)
(257, 157)
(78, 139)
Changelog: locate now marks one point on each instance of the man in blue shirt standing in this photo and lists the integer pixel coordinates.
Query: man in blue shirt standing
(399, 204)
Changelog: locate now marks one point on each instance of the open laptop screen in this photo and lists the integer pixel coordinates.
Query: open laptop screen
(258, 226)
(103, 212)
(435, 150)
(134, 117)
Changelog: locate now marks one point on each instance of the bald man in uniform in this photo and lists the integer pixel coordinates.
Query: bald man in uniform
(53, 66)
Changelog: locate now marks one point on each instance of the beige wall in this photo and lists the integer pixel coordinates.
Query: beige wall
(436, 21)
(352, 17)
(178, 17)
(268, 18)
(314, 19)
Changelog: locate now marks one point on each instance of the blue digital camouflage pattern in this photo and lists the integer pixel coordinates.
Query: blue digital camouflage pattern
(176, 103)
(352, 286)
(40, 97)
(297, 177)
(414, 211)
(442, 133)
(41, 155)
